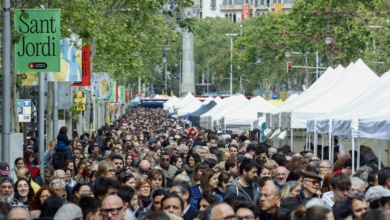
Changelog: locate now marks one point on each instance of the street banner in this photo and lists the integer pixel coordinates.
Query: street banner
(71, 57)
(246, 11)
(86, 67)
(278, 8)
(100, 85)
(38, 48)
(113, 91)
(121, 91)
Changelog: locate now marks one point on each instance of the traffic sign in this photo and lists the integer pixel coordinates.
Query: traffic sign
(24, 110)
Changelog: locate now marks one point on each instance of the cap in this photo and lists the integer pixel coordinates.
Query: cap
(4, 168)
(153, 140)
(376, 192)
(68, 211)
(310, 174)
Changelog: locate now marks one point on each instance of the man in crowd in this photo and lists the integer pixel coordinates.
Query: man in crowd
(310, 185)
(173, 204)
(219, 211)
(269, 200)
(245, 185)
(6, 189)
(113, 208)
(168, 169)
(326, 167)
(340, 185)
(183, 189)
(118, 161)
(281, 174)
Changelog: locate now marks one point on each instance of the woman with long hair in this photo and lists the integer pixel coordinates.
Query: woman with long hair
(84, 173)
(208, 185)
(38, 200)
(129, 162)
(29, 158)
(224, 180)
(48, 154)
(23, 191)
(290, 189)
(197, 172)
(191, 161)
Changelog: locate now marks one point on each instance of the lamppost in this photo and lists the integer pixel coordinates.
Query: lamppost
(328, 41)
(231, 60)
(164, 60)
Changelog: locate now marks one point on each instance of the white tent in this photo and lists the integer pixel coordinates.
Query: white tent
(323, 84)
(171, 102)
(237, 103)
(248, 113)
(356, 79)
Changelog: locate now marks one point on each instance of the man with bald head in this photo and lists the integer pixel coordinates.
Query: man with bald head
(19, 213)
(219, 211)
(25, 173)
(144, 167)
(113, 208)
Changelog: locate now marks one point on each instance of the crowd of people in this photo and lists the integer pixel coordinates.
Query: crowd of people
(149, 166)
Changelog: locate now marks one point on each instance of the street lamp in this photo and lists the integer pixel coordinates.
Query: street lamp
(231, 60)
(328, 38)
(164, 60)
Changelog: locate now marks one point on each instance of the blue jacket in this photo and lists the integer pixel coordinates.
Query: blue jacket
(196, 194)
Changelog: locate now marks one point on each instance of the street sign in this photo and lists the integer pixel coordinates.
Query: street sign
(38, 48)
(24, 110)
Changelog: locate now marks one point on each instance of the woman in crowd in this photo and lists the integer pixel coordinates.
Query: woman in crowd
(224, 180)
(84, 173)
(290, 189)
(129, 160)
(23, 191)
(126, 193)
(177, 161)
(208, 185)
(144, 188)
(191, 161)
(19, 163)
(38, 200)
(206, 200)
(157, 179)
(29, 158)
(157, 196)
(79, 190)
(69, 165)
(271, 165)
(262, 172)
(198, 172)
(107, 169)
(127, 179)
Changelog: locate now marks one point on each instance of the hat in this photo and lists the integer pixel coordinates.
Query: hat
(310, 174)
(4, 168)
(29, 146)
(153, 140)
(68, 211)
(376, 192)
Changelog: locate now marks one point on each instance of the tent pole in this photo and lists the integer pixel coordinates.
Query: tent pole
(292, 139)
(315, 143)
(353, 155)
(358, 152)
(322, 146)
(379, 154)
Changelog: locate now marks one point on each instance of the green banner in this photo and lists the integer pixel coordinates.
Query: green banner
(38, 48)
(121, 95)
(113, 93)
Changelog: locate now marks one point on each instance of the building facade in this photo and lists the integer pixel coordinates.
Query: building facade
(232, 9)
